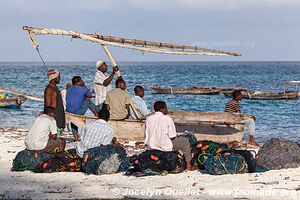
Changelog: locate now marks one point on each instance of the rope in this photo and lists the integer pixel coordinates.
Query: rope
(36, 46)
(37, 49)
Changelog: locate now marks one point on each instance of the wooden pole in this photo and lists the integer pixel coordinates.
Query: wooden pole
(112, 60)
(118, 73)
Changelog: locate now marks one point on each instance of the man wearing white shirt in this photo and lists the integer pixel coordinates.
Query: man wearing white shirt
(43, 134)
(160, 133)
(139, 103)
(102, 83)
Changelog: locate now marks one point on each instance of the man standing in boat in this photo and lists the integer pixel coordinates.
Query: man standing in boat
(233, 106)
(53, 98)
(102, 83)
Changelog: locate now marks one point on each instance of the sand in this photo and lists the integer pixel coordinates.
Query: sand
(277, 184)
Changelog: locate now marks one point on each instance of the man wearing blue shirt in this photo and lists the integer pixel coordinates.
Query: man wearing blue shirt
(78, 101)
(139, 103)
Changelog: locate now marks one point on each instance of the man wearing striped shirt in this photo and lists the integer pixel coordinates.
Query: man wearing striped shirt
(233, 106)
(96, 133)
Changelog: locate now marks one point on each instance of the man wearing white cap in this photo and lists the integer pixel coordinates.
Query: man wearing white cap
(102, 83)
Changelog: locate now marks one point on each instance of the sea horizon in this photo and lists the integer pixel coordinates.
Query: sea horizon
(274, 118)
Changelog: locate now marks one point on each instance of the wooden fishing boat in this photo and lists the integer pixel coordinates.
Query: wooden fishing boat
(14, 93)
(12, 99)
(192, 90)
(214, 126)
(221, 127)
(197, 90)
(288, 95)
(221, 88)
(7, 101)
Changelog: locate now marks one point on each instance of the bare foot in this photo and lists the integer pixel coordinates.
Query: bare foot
(190, 167)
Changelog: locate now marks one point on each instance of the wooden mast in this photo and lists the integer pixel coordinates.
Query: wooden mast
(142, 45)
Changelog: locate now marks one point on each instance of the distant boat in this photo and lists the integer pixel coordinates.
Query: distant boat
(9, 101)
(12, 99)
(285, 95)
(192, 90)
(197, 90)
(267, 95)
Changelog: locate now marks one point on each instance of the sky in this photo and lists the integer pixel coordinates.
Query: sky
(261, 30)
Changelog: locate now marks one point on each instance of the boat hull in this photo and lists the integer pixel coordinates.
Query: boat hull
(267, 95)
(11, 102)
(218, 127)
(194, 91)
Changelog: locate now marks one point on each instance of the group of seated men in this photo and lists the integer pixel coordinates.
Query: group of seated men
(160, 130)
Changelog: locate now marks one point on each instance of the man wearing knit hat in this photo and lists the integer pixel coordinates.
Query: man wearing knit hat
(102, 83)
(52, 97)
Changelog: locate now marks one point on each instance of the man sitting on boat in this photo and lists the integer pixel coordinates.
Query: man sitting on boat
(53, 98)
(102, 83)
(78, 101)
(118, 101)
(96, 133)
(139, 103)
(43, 134)
(160, 133)
(233, 106)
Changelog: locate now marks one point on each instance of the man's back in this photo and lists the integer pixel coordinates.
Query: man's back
(38, 135)
(233, 106)
(117, 100)
(96, 133)
(75, 98)
(159, 128)
(140, 105)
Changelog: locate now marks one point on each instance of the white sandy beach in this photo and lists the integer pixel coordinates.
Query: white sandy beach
(277, 184)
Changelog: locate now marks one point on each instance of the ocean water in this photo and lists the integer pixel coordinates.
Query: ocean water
(278, 118)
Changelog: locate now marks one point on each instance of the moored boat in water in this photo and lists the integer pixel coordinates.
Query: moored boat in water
(288, 95)
(196, 90)
(9, 101)
(12, 99)
(192, 90)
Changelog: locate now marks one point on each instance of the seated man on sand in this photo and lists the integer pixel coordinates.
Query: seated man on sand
(160, 133)
(43, 134)
(117, 101)
(78, 101)
(233, 106)
(139, 103)
(96, 133)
